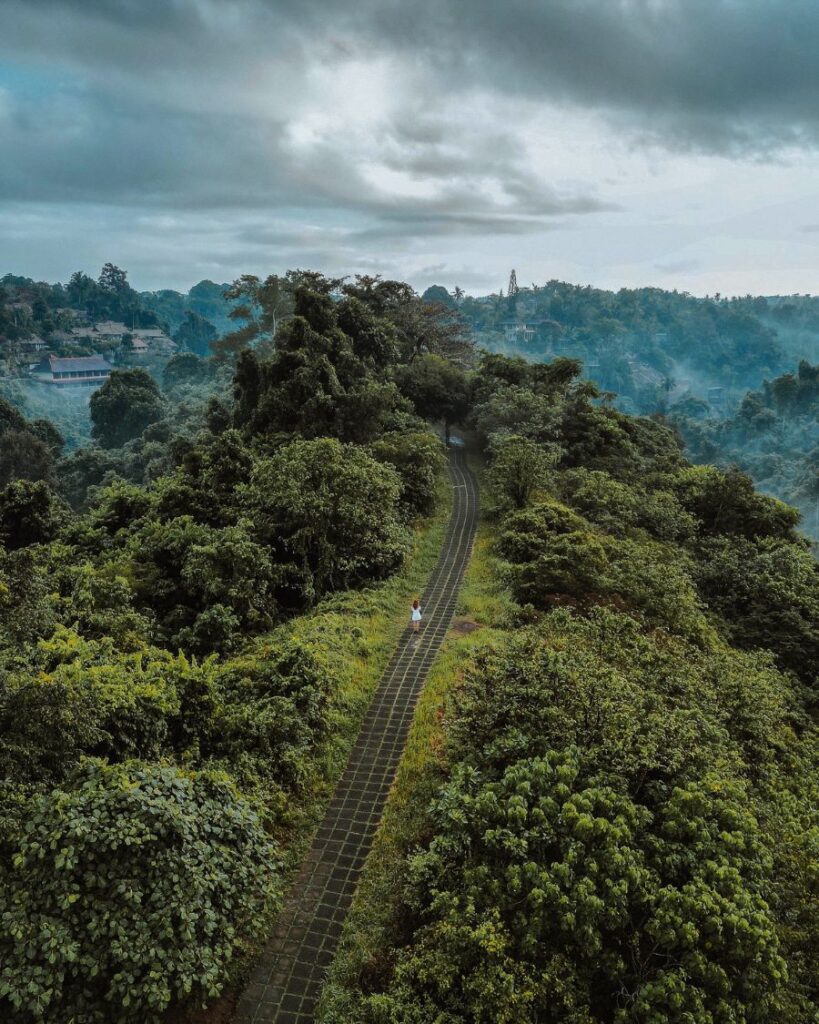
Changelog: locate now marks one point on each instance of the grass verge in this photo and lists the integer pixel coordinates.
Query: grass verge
(353, 634)
(364, 954)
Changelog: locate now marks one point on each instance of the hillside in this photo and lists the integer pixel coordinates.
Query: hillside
(608, 808)
(773, 435)
(655, 349)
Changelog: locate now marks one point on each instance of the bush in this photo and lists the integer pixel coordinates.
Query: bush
(518, 467)
(607, 845)
(80, 697)
(726, 503)
(766, 593)
(552, 554)
(328, 512)
(128, 889)
(418, 458)
(272, 712)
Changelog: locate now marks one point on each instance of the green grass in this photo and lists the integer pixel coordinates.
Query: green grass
(353, 634)
(364, 950)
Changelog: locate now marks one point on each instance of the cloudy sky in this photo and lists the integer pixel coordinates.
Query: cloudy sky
(611, 142)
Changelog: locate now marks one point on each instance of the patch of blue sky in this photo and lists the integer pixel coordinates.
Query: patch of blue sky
(35, 82)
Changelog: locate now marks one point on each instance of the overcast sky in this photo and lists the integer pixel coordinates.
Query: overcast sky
(610, 142)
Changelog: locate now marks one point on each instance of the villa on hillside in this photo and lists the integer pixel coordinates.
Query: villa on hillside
(143, 338)
(520, 330)
(110, 330)
(80, 370)
(34, 344)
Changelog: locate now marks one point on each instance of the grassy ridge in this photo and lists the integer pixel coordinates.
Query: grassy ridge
(370, 924)
(353, 634)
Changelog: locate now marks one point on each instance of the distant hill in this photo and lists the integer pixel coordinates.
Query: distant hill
(655, 348)
(206, 299)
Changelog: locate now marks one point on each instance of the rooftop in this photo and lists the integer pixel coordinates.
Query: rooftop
(59, 364)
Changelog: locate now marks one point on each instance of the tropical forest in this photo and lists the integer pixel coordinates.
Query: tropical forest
(236, 785)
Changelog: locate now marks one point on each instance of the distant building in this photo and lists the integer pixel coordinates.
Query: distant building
(78, 335)
(136, 347)
(34, 344)
(80, 370)
(110, 330)
(152, 337)
(520, 330)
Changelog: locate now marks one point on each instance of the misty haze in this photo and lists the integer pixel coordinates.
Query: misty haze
(409, 512)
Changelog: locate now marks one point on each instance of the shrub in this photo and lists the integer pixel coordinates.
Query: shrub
(726, 503)
(518, 467)
(601, 851)
(328, 511)
(80, 697)
(766, 593)
(418, 459)
(128, 889)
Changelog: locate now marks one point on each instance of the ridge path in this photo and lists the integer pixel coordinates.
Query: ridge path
(286, 983)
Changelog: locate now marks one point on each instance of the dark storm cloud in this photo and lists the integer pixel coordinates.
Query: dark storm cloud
(717, 73)
(194, 105)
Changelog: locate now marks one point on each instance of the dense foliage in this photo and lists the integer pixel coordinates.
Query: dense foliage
(161, 722)
(652, 347)
(773, 435)
(114, 921)
(625, 824)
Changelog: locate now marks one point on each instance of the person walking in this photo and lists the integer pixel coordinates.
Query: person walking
(416, 615)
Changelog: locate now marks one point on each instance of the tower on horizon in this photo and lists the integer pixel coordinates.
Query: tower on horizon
(513, 284)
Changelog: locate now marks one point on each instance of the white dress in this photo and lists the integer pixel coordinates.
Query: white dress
(416, 614)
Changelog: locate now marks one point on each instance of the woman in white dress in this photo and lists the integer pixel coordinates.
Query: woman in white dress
(416, 615)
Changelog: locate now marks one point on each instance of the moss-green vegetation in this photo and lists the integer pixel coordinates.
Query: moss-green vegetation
(613, 818)
(607, 809)
(368, 933)
(184, 662)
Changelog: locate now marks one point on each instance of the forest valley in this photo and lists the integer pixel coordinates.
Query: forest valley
(704, 365)
(617, 814)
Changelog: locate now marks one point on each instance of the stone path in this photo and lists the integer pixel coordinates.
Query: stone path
(286, 984)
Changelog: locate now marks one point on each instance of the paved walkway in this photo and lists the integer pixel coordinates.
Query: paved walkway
(286, 984)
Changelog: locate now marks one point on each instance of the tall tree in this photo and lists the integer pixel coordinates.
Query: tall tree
(124, 406)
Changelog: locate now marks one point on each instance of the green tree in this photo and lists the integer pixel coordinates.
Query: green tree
(124, 406)
(259, 308)
(316, 384)
(329, 513)
(113, 279)
(437, 388)
(419, 460)
(184, 368)
(518, 467)
(127, 890)
(30, 513)
(24, 456)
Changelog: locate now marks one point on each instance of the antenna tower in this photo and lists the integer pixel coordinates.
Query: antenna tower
(513, 284)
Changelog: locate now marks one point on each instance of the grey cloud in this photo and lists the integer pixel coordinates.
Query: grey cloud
(715, 74)
(705, 67)
(158, 107)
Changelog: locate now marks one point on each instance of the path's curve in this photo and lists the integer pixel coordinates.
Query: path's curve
(286, 983)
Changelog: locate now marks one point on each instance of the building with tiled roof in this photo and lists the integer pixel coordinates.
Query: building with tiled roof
(78, 370)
